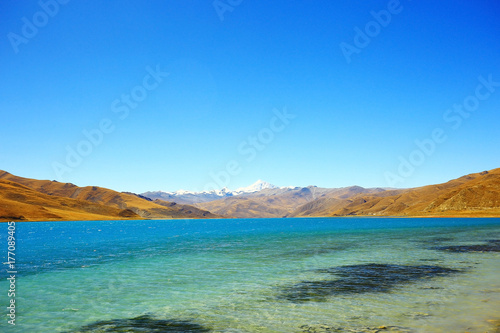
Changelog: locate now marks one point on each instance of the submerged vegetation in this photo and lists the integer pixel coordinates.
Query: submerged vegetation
(144, 324)
(492, 245)
(357, 279)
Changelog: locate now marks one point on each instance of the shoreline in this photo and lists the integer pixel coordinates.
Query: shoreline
(280, 218)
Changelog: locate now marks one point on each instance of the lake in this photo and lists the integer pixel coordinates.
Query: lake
(256, 275)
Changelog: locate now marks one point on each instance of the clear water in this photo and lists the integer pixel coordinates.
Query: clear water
(231, 275)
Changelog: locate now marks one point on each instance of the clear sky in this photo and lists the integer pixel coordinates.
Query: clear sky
(191, 94)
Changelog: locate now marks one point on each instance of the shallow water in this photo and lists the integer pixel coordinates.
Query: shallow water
(421, 275)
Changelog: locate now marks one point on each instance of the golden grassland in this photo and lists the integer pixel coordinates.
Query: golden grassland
(474, 195)
(19, 203)
(25, 199)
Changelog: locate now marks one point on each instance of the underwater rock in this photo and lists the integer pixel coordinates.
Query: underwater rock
(143, 324)
(358, 279)
(492, 245)
(320, 328)
(496, 325)
(379, 329)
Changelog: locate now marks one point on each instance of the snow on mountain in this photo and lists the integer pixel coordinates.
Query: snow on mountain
(259, 185)
(181, 192)
(223, 192)
(189, 197)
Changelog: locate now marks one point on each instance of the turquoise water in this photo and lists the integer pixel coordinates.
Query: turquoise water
(256, 275)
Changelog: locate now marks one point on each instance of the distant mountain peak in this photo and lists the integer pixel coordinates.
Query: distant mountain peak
(181, 192)
(183, 196)
(259, 185)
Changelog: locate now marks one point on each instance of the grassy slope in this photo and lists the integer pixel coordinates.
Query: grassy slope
(109, 198)
(20, 203)
(476, 194)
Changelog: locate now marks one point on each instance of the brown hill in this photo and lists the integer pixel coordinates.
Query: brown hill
(277, 202)
(20, 203)
(141, 206)
(476, 194)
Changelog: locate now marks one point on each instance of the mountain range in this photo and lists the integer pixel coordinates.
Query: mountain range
(189, 197)
(278, 202)
(24, 199)
(476, 194)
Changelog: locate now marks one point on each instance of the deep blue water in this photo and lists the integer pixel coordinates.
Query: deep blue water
(57, 245)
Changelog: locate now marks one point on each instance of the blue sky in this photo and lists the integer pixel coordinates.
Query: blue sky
(207, 116)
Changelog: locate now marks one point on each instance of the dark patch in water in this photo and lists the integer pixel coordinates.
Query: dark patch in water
(431, 259)
(358, 279)
(143, 324)
(492, 245)
(437, 240)
(315, 251)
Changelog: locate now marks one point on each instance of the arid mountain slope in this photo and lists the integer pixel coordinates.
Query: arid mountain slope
(476, 194)
(143, 207)
(21, 203)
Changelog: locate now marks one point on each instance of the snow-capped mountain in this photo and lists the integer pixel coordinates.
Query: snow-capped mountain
(223, 191)
(189, 197)
(255, 187)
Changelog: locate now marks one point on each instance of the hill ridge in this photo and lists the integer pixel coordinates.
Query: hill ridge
(141, 207)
